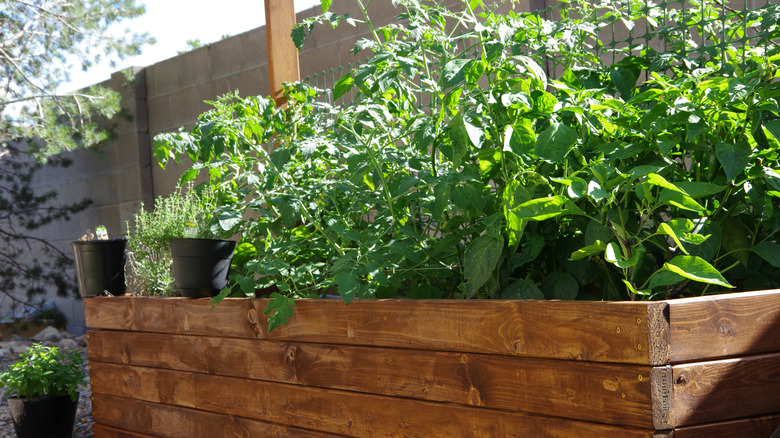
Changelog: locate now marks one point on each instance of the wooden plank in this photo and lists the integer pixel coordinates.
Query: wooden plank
(615, 332)
(103, 431)
(339, 412)
(727, 325)
(614, 394)
(759, 427)
(283, 64)
(708, 392)
(140, 419)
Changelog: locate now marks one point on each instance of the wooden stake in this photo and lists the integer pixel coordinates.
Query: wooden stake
(282, 55)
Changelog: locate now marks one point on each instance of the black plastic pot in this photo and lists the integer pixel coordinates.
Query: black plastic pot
(51, 417)
(201, 266)
(100, 265)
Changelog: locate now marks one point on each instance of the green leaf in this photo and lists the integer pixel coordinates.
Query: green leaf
(773, 126)
(460, 140)
(541, 208)
(676, 229)
(342, 86)
(480, 261)
(614, 255)
(679, 200)
(664, 278)
(698, 189)
(348, 285)
(768, 251)
(696, 269)
(279, 310)
(454, 72)
(228, 220)
(522, 289)
(587, 251)
(733, 158)
(555, 142)
(657, 180)
(560, 285)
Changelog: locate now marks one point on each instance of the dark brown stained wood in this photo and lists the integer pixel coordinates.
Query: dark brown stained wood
(727, 325)
(594, 331)
(707, 392)
(758, 427)
(340, 412)
(615, 394)
(142, 419)
(101, 431)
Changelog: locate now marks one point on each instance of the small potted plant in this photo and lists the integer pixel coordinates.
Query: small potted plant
(100, 263)
(42, 391)
(173, 247)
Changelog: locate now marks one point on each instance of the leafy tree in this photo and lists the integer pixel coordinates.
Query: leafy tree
(40, 42)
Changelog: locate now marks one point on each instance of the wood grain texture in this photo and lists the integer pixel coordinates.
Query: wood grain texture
(727, 325)
(714, 391)
(615, 394)
(102, 431)
(139, 419)
(661, 394)
(283, 63)
(339, 412)
(614, 332)
(757, 427)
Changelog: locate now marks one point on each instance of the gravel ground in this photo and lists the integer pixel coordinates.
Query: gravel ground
(10, 349)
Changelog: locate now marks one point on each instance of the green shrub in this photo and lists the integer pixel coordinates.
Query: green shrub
(44, 371)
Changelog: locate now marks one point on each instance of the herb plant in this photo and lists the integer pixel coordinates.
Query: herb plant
(464, 170)
(149, 259)
(43, 372)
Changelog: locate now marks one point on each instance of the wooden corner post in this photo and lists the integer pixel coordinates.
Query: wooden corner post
(282, 55)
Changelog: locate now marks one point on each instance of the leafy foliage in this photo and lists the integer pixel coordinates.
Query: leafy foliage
(43, 372)
(148, 241)
(464, 170)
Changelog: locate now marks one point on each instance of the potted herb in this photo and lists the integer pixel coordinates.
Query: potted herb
(42, 391)
(100, 263)
(173, 248)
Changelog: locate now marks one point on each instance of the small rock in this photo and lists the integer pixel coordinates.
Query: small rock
(68, 344)
(18, 349)
(47, 334)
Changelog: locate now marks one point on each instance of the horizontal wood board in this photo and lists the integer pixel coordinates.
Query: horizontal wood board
(126, 417)
(339, 412)
(728, 325)
(588, 391)
(103, 431)
(713, 391)
(616, 332)
(755, 427)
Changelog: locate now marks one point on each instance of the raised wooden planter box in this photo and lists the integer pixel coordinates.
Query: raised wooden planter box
(701, 367)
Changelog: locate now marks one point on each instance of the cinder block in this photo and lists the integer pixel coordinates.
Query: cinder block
(250, 82)
(164, 77)
(185, 105)
(195, 67)
(226, 56)
(159, 108)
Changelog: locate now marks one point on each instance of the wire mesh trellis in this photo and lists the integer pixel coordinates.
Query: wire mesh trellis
(691, 28)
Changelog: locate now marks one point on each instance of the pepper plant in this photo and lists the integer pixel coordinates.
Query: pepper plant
(462, 169)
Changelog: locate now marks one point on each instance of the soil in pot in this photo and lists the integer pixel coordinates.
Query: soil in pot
(201, 266)
(51, 417)
(100, 266)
